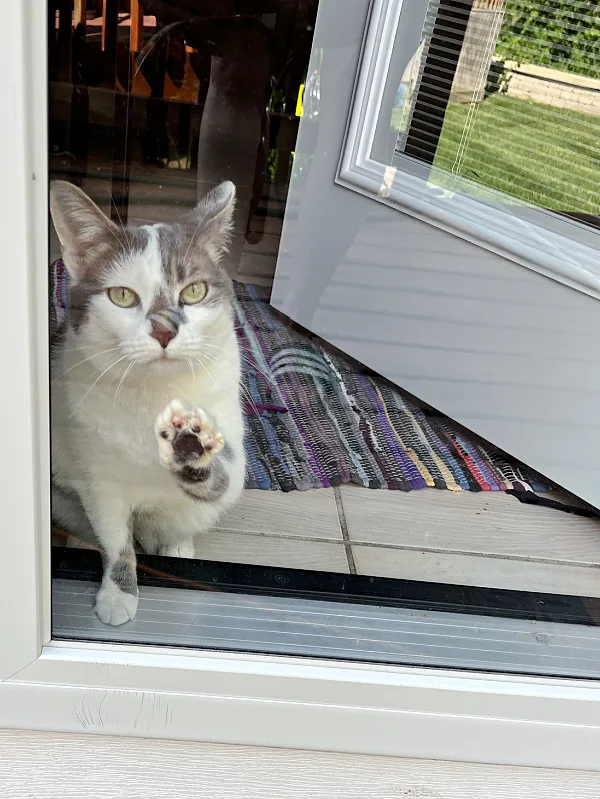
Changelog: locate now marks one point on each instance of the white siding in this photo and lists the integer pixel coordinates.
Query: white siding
(58, 766)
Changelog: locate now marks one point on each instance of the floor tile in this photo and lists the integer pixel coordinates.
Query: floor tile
(262, 550)
(489, 522)
(304, 514)
(517, 575)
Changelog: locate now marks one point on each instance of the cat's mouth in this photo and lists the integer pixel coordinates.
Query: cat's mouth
(162, 359)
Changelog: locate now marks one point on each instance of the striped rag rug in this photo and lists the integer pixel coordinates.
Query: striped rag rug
(317, 419)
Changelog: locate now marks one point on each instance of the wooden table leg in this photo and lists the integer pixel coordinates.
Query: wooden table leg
(79, 12)
(136, 34)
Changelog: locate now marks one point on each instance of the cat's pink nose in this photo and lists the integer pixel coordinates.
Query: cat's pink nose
(162, 336)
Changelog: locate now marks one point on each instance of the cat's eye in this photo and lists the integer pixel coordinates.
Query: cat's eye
(122, 297)
(193, 293)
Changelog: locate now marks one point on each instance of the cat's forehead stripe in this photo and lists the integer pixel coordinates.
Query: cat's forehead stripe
(182, 259)
(151, 254)
(172, 243)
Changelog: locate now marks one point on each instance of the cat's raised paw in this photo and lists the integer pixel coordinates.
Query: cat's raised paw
(186, 436)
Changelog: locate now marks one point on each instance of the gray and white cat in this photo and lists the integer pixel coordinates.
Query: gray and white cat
(147, 425)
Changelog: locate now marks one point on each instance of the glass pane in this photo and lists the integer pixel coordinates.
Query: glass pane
(500, 99)
(284, 417)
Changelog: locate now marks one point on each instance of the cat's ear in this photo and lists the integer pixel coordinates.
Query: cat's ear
(211, 222)
(87, 236)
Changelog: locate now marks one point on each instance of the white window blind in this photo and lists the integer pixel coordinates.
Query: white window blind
(502, 100)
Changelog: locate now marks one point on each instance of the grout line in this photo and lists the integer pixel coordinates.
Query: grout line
(471, 554)
(342, 517)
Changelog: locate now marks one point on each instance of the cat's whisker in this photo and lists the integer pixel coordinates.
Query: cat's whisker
(246, 391)
(253, 365)
(117, 376)
(112, 382)
(78, 347)
(100, 376)
(211, 358)
(95, 355)
(246, 394)
(189, 360)
(211, 346)
(122, 380)
(89, 347)
(206, 369)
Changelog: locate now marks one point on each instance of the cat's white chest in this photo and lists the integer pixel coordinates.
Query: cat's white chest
(129, 435)
(106, 437)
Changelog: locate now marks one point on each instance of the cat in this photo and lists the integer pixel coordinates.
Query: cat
(147, 422)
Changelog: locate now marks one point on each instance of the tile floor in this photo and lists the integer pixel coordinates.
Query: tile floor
(486, 539)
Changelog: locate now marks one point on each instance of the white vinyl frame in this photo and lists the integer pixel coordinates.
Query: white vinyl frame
(194, 695)
(569, 253)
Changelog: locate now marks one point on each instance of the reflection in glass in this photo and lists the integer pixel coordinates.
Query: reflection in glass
(219, 457)
(504, 94)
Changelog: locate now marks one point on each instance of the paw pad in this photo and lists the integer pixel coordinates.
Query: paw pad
(186, 437)
(187, 446)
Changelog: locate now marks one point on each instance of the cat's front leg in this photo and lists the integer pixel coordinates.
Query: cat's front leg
(117, 599)
(193, 450)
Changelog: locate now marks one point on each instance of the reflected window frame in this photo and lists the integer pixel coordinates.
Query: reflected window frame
(548, 243)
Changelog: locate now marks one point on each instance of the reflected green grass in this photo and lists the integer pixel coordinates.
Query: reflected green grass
(542, 155)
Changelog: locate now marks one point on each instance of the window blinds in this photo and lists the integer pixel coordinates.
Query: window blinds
(506, 93)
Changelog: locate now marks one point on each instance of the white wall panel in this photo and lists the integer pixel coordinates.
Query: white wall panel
(58, 766)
